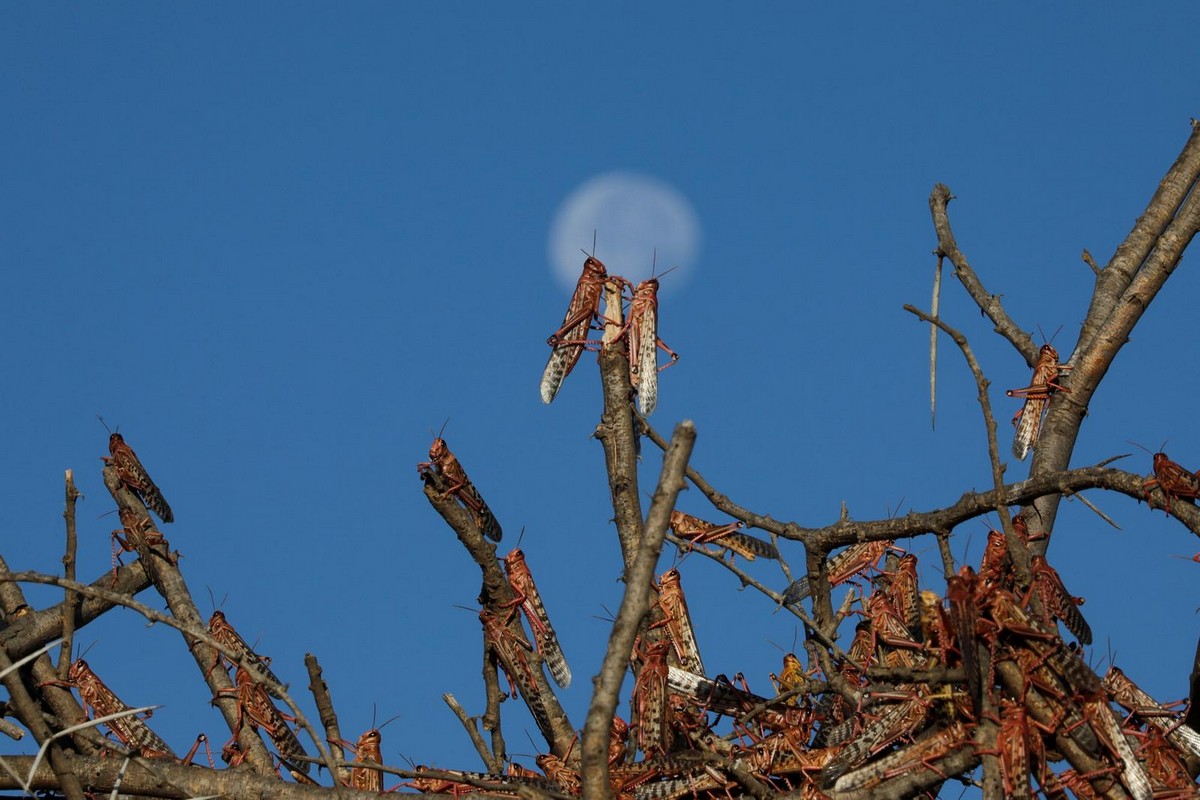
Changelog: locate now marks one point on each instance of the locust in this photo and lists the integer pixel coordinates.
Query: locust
(225, 633)
(255, 705)
(650, 709)
(1057, 601)
(679, 622)
(512, 651)
(571, 337)
(921, 755)
(131, 730)
(529, 600)
(443, 463)
(845, 565)
(135, 534)
(1125, 692)
(699, 531)
(1028, 420)
(367, 750)
(131, 472)
(644, 344)
(1174, 480)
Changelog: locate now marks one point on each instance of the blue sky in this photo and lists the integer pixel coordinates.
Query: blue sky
(278, 244)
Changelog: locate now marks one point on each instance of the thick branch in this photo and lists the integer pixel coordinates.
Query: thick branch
(1111, 321)
(618, 436)
(163, 779)
(32, 630)
(634, 605)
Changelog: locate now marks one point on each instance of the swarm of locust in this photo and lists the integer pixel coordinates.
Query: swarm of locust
(994, 653)
(639, 331)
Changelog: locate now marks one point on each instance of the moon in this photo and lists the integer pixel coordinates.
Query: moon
(633, 217)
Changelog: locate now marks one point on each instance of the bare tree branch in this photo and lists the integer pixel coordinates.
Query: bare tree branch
(635, 604)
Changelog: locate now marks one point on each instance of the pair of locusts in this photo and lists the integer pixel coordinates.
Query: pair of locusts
(640, 330)
(254, 699)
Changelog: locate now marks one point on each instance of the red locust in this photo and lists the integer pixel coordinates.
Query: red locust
(845, 565)
(1125, 692)
(255, 704)
(512, 651)
(135, 534)
(530, 602)
(699, 531)
(367, 750)
(570, 339)
(679, 622)
(1028, 421)
(130, 729)
(225, 633)
(649, 700)
(133, 474)
(444, 464)
(644, 345)
(1057, 601)
(1175, 481)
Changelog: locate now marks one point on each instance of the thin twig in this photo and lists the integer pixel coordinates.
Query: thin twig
(939, 200)
(327, 714)
(719, 501)
(934, 306)
(491, 763)
(70, 600)
(1016, 546)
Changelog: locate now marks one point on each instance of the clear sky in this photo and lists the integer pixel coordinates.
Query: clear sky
(277, 244)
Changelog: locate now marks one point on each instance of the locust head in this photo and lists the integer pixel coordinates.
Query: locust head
(368, 743)
(594, 270)
(438, 450)
(79, 670)
(1048, 354)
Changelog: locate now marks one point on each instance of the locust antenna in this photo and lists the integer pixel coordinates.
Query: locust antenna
(1135, 444)
(384, 725)
(105, 424)
(520, 536)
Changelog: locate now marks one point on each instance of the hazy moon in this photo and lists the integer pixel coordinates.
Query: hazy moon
(632, 216)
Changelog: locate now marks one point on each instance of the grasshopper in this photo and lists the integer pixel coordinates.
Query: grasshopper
(131, 472)
(698, 531)
(368, 750)
(571, 337)
(131, 730)
(679, 622)
(255, 704)
(135, 534)
(512, 651)
(225, 633)
(644, 345)
(845, 565)
(1057, 601)
(650, 709)
(1175, 481)
(530, 601)
(1028, 420)
(442, 462)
